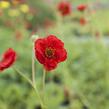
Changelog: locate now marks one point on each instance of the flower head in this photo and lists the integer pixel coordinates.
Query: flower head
(8, 59)
(24, 8)
(64, 8)
(50, 51)
(4, 4)
(82, 7)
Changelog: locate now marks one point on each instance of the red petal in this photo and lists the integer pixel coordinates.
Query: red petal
(54, 42)
(40, 50)
(40, 44)
(60, 55)
(9, 58)
(40, 57)
(50, 64)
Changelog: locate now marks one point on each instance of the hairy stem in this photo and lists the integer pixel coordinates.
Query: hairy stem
(33, 67)
(43, 85)
(32, 85)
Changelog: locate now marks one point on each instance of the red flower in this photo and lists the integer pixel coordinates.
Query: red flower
(82, 7)
(97, 35)
(18, 35)
(83, 21)
(48, 23)
(64, 8)
(8, 59)
(50, 51)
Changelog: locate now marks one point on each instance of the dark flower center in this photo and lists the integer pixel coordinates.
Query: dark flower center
(49, 52)
(65, 8)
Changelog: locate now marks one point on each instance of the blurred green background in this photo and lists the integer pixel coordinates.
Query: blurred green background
(82, 82)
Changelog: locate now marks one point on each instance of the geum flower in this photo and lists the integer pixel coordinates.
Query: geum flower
(83, 21)
(64, 8)
(8, 59)
(81, 7)
(50, 51)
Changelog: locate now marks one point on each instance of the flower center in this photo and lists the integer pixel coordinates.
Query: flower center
(49, 52)
(65, 8)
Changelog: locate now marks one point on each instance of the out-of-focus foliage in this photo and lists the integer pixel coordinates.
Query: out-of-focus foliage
(84, 76)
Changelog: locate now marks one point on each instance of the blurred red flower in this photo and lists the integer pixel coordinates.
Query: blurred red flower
(82, 7)
(18, 35)
(64, 8)
(8, 59)
(83, 21)
(50, 51)
(48, 23)
(97, 35)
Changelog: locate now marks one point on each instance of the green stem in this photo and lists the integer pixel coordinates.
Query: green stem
(37, 93)
(43, 85)
(44, 76)
(21, 74)
(33, 78)
(33, 67)
(91, 20)
(31, 83)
